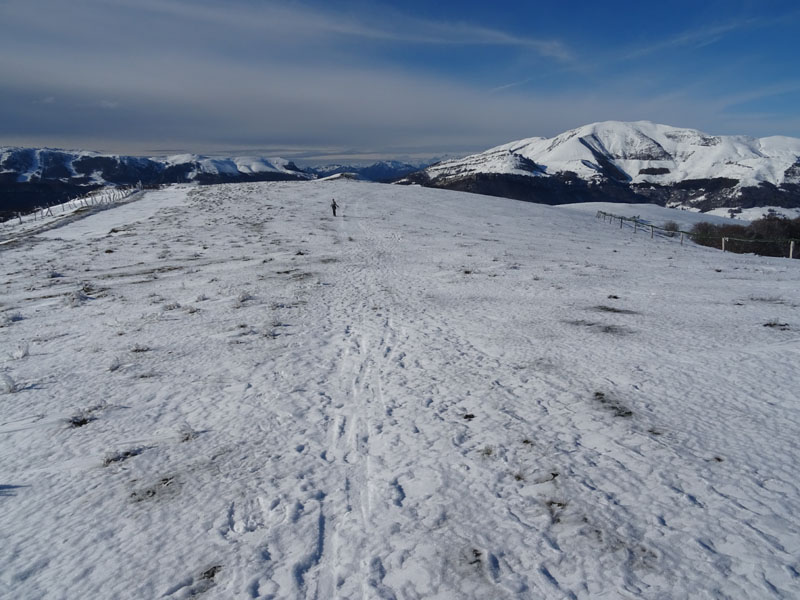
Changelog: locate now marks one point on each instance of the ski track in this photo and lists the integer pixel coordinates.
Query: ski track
(435, 395)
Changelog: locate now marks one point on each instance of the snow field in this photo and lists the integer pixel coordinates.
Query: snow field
(225, 391)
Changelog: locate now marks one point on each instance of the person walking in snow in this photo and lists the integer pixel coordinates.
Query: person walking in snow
(334, 206)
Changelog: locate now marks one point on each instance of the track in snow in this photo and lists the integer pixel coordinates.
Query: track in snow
(435, 395)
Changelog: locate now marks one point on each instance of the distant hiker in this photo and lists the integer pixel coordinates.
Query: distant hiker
(334, 206)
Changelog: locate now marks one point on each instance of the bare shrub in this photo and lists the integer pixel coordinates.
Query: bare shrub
(671, 228)
(767, 237)
(706, 234)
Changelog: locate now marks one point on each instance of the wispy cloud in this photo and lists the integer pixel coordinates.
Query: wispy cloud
(508, 86)
(770, 91)
(696, 37)
(705, 36)
(301, 21)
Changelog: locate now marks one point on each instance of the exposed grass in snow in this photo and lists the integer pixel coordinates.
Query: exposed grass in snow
(435, 395)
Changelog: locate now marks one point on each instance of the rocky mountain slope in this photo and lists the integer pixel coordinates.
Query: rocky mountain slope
(632, 162)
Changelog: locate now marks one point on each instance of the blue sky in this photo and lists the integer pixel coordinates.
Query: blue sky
(368, 79)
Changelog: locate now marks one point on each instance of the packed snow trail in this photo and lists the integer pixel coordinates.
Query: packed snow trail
(434, 395)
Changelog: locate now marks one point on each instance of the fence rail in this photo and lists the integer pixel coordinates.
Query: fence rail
(94, 198)
(43, 219)
(789, 244)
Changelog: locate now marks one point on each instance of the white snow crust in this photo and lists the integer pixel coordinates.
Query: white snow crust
(225, 392)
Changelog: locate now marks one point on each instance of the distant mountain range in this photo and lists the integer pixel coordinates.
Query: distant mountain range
(610, 161)
(386, 171)
(631, 162)
(32, 177)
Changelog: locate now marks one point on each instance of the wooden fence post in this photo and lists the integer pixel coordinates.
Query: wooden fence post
(651, 232)
(723, 243)
(791, 249)
(681, 238)
(620, 222)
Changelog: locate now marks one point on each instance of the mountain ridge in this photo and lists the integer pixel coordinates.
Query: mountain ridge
(632, 162)
(31, 177)
(381, 171)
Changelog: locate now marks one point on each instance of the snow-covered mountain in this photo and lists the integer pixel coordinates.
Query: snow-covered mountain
(385, 170)
(630, 161)
(40, 176)
(82, 167)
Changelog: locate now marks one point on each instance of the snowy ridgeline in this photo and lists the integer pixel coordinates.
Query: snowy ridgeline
(644, 152)
(225, 391)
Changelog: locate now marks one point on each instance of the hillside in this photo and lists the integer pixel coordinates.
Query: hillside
(630, 162)
(32, 177)
(223, 390)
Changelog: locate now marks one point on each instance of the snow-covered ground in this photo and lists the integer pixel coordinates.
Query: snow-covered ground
(230, 393)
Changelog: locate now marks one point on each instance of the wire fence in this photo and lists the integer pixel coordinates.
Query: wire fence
(786, 247)
(107, 195)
